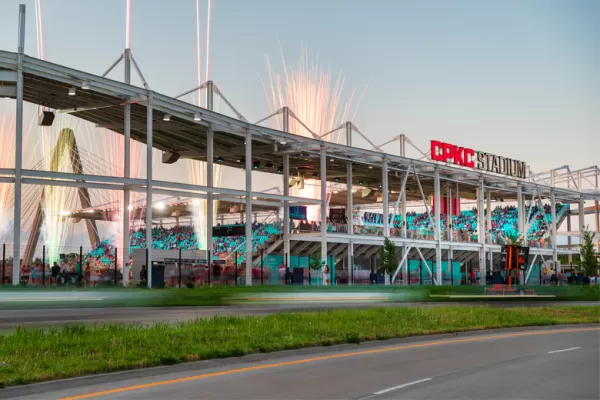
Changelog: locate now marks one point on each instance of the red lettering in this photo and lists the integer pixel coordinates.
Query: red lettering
(448, 151)
(436, 153)
(469, 158)
(458, 156)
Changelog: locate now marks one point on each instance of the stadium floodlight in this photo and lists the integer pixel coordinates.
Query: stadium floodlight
(167, 117)
(130, 208)
(72, 91)
(283, 142)
(85, 85)
(160, 206)
(370, 167)
(197, 117)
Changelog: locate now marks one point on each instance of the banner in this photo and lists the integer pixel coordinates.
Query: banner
(337, 215)
(298, 212)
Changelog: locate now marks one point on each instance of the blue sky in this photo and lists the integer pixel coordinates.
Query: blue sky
(516, 78)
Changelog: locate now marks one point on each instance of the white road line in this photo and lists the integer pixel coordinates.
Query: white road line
(560, 351)
(401, 386)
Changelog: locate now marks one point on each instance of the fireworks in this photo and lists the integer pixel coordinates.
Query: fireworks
(7, 160)
(315, 97)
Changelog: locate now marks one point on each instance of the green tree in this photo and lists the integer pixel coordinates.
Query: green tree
(389, 257)
(589, 260)
(315, 260)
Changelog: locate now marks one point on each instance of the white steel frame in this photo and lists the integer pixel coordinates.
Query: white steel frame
(549, 184)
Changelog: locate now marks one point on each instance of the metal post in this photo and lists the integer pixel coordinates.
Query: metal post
(386, 205)
(43, 265)
(209, 95)
(286, 208)
(520, 211)
(569, 238)
(449, 212)
(351, 263)
(349, 199)
(407, 268)
(581, 220)
(554, 245)
(402, 140)
(481, 226)
(438, 228)
(421, 272)
(451, 262)
(597, 215)
(18, 150)
(3, 261)
(126, 159)
(488, 217)
(116, 259)
(149, 187)
(262, 266)
(210, 183)
(540, 272)
(80, 263)
(179, 262)
(323, 178)
(248, 208)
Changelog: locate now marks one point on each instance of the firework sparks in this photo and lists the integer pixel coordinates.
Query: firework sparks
(315, 98)
(7, 160)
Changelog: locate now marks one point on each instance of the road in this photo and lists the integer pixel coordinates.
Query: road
(531, 363)
(10, 319)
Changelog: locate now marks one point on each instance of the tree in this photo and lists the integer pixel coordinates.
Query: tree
(589, 260)
(315, 260)
(389, 257)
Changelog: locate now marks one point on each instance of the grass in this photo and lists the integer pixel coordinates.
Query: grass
(225, 295)
(33, 355)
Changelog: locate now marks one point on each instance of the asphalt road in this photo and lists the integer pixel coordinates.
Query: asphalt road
(534, 363)
(10, 319)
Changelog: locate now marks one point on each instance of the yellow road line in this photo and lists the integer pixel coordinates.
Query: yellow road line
(314, 359)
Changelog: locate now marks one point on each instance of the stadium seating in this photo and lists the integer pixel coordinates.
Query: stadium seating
(504, 224)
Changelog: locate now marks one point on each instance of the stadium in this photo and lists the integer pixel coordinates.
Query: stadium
(449, 213)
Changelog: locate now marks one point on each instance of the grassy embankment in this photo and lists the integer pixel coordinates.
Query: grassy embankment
(33, 355)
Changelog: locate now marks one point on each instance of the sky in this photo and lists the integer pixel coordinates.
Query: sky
(515, 78)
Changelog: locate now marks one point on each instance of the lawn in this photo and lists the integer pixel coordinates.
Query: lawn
(33, 355)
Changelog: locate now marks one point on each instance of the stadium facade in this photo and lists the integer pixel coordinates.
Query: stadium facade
(348, 177)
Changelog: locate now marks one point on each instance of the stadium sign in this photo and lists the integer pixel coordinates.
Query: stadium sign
(470, 158)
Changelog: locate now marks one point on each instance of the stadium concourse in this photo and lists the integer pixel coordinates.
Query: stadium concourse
(448, 211)
(231, 252)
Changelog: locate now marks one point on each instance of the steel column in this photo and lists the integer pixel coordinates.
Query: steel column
(488, 217)
(286, 210)
(323, 177)
(248, 208)
(386, 204)
(520, 211)
(126, 161)
(349, 199)
(210, 204)
(348, 133)
(149, 187)
(481, 227)
(554, 245)
(438, 227)
(18, 150)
